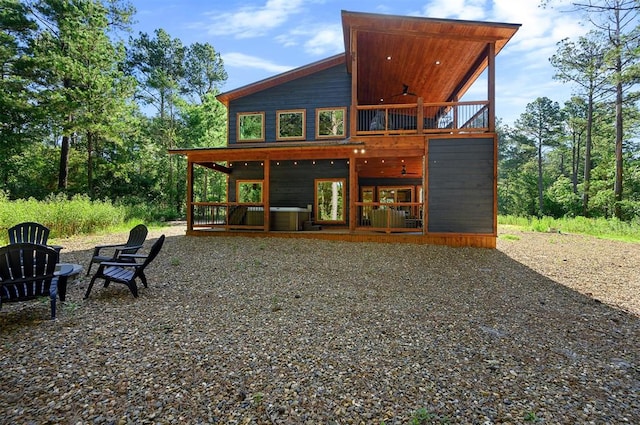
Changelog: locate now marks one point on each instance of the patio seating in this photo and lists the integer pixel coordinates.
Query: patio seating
(29, 232)
(126, 270)
(137, 236)
(27, 272)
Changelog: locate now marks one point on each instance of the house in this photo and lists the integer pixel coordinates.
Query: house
(375, 144)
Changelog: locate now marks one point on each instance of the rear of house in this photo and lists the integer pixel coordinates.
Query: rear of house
(375, 144)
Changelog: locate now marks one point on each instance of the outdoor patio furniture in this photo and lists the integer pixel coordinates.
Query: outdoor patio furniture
(30, 232)
(27, 272)
(126, 270)
(137, 236)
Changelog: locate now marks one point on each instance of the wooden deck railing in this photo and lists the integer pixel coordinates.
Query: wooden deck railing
(227, 215)
(390, 217)
(420, 118)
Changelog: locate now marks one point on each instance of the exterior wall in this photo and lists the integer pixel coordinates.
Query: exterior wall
(327, 88)
(461, 185)
(292, 185)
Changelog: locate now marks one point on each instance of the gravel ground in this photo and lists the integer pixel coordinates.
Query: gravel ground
(277, 331)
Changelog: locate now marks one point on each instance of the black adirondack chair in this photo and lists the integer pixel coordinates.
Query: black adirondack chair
(126, 270)
(30, 232)
(137, 236)
(27, 272)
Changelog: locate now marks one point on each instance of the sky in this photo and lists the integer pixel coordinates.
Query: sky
(258, 39)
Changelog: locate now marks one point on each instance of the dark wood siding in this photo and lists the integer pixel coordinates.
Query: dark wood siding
(461, 185)
(327, 88)
(291, 184)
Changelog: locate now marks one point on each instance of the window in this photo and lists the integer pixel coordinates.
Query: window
(249, 192)
(251, 127)
(330, 202)
(291, 125)
(330, 122)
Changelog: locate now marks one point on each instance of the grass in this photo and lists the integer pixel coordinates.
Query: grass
(598, 227)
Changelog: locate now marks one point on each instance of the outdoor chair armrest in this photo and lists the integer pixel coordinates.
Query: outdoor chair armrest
(125, 256)
(118, 264)
(126, 247)
(115, 245)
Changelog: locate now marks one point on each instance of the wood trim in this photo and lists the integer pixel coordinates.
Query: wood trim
(189, 195)
(279, 79)
(453, 239)
(266, 174)
(238, 139)
(491, 89)
(318, 136)
(353, 193)
(303, 136)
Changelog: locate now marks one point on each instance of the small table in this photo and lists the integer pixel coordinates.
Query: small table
(64, 271)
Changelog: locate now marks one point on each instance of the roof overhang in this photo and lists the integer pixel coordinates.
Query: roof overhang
(438, 59)
(276, 80)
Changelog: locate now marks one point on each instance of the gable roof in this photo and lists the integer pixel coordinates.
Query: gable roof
(276, 80)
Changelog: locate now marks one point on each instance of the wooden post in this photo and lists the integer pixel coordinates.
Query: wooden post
(189, 194)
(266, 202)
(354, 83)
(491, 81)
(420, 116)
(353, 193)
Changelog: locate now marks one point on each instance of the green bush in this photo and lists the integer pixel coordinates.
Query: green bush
(64, 217)
(599, 227)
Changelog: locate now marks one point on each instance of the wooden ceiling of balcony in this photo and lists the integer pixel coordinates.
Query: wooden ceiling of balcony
(438, 59)
(390, 167)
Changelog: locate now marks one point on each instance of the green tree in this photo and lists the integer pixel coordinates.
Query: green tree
(541, 123)
(582, 63)
(158, 65)
(80, 84)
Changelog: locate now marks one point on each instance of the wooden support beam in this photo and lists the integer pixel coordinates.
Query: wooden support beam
(491, 89)
(189, 195)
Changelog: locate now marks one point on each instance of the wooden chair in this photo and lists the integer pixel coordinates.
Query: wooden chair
(137, 236)
(126, 270)
(27, 272)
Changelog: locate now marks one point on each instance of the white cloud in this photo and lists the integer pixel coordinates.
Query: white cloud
(250, 21)
(240, 60)
(321, 40)
(473, 10)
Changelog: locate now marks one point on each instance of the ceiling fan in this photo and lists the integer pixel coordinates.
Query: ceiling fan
(404, 170)
(405, 92)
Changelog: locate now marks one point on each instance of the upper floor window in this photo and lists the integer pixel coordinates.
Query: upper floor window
(250, 126)
(330, 122)
(291, 125)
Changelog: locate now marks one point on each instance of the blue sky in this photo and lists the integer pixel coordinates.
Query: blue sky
(261, 38)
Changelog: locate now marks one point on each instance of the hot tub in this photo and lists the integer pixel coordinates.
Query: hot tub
(282, 218)
(288, 218)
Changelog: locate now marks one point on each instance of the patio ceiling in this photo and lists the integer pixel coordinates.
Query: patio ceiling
(438, 59)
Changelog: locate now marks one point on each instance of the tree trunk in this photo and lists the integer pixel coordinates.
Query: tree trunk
(540, 195)
(63, 173)
(617, 189)
(587, 157)
(90, 164)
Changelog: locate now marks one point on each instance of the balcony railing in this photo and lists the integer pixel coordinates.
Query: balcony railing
(227, 215)
(390, 217)
(420, 118)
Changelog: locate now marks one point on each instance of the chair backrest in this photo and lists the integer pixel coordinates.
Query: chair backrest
(153, 252)
(26, 270)
(137, 236)
(29, 232)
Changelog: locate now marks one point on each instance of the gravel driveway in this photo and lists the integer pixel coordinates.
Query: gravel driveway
(544, 329)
